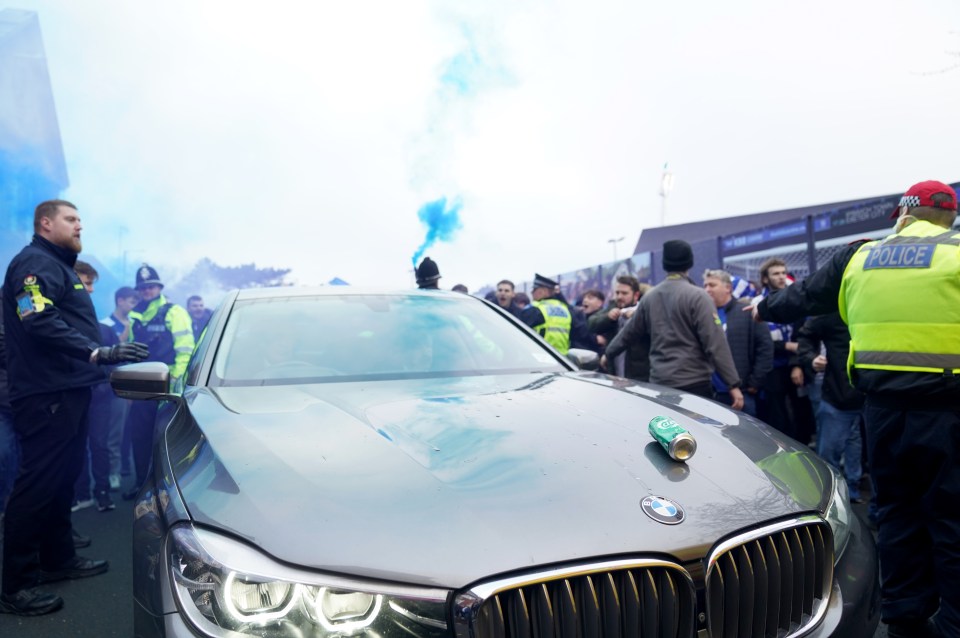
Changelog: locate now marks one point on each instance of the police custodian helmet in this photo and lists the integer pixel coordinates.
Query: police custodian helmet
(428, 273)
(147, 276)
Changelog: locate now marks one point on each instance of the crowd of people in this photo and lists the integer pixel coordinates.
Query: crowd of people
(65, 438)
(869, 343)
(692, 339)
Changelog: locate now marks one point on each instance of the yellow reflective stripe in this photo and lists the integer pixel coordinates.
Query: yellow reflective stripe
(78, 286)
(181, 333)
(910, 359)
(893, 368)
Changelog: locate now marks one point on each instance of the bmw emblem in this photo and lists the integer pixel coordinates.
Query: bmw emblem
(662, 510)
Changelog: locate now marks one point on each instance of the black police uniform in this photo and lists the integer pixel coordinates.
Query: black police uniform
(913, 445)
(51, 331)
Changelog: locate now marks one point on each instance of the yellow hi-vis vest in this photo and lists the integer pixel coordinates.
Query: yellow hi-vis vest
(557, 323)
(900, 297)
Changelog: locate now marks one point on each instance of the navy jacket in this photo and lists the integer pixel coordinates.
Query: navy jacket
(50, 324)
(750, 345)
(835, 336)
(4, 393)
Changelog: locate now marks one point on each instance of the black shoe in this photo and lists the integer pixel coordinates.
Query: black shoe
(913, 629)
(80, 541)
(104, 502)
(30, 602)
(79, 567)
(131, 494)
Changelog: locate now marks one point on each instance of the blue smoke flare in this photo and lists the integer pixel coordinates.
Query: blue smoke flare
(442, 222)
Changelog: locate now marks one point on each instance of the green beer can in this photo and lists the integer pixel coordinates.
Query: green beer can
(678, 443)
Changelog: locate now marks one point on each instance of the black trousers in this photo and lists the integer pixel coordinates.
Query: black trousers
(704, 390)
(95, 462)
(141, 422)
(783, 408)
(915, 466)
(52, 429)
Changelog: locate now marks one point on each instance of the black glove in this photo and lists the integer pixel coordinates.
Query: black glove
(122, 353)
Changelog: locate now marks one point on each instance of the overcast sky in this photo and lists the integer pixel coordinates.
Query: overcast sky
(308, 135)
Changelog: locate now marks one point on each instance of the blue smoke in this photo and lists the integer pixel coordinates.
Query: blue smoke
(442, 222)
(23, 185)
(475, 68)
(461, 72)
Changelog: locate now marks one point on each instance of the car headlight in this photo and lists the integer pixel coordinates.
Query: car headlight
(839, 514)
(226, 588)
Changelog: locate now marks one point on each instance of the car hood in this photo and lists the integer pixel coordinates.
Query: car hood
(443, 482)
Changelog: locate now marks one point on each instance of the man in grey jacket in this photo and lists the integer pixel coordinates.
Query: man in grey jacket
(686, 338)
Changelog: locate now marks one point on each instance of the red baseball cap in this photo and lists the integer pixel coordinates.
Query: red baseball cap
(921, 194)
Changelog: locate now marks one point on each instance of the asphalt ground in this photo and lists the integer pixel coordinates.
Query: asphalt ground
(95, 607)
(102, 606)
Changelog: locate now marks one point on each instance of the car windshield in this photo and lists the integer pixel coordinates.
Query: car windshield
(324, 338)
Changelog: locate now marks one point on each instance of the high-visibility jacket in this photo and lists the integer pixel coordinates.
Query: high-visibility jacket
(900, 297)
(167, 329)
(557, 323)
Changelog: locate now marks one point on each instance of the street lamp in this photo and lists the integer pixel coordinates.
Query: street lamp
(615, 242)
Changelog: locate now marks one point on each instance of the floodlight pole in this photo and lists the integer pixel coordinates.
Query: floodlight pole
(614, 242)
(666, 185)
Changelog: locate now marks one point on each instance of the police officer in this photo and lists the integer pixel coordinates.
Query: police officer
(53, 350)
(900, 298)
(549, 314)
(168, 330)
(428, 275)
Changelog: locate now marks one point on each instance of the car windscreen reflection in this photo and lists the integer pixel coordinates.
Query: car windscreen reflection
(290, 340)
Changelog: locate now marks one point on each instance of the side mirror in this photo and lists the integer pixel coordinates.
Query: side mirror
(584, 359)
(142, 381)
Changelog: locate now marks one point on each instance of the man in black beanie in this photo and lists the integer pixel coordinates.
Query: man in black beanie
(686, 337)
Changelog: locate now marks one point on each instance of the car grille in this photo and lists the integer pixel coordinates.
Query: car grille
(771, 582)
(774, 581)
(653, 599)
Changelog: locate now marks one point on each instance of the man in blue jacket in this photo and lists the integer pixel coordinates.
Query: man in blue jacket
(53, 349)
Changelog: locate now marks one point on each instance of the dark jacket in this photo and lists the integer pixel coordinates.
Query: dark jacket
(601, 324)
(636, 363)
(51, 326)
(4, 392)
(580, 335)
(819, 294)
(513, 308)
(834, 335)
(750, 344)
(199, 324)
